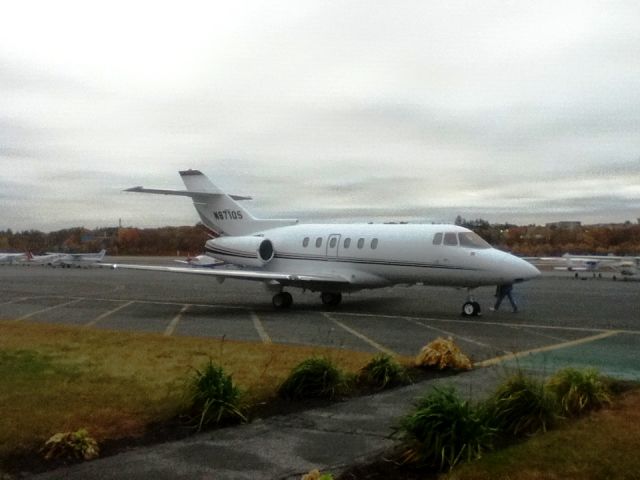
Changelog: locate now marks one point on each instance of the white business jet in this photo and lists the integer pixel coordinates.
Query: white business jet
(336, 258)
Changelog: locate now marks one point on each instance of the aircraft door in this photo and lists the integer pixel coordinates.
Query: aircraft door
(333, 243)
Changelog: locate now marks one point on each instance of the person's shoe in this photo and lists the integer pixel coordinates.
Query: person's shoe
(491, 309)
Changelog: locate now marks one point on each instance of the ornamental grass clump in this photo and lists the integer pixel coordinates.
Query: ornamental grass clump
(579, 391)
(522, 406)
(76, 445)
(443, 353)
(313, 378)
(383, 372)
(214, 397)
(444, 430)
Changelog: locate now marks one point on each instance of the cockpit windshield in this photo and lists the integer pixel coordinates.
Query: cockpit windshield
(472, 240)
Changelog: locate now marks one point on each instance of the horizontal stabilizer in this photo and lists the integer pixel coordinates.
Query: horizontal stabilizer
(183, 193)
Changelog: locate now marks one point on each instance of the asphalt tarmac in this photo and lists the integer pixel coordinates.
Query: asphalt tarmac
(556, 311)
(562, 321)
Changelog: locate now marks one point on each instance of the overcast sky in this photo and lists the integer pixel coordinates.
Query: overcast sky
(526, 112)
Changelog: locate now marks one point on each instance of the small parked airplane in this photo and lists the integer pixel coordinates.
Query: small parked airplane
(336, 258)
(78, 259)
(12, 258)
(625, 266)
(46, 259)
(201, 261)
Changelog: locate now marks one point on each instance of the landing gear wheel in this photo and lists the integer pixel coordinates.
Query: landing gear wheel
(282, 300)
(471, 309)
(330, 298)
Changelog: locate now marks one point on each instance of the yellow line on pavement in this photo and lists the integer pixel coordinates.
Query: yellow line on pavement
(548, 348)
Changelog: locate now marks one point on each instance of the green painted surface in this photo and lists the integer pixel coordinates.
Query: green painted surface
(617, 356)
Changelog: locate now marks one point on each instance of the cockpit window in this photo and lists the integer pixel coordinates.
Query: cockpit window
(450, 238)
(437, 238)
(472, 240)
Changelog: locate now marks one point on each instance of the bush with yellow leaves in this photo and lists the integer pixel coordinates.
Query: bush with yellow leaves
(316, 475)
(71, 446)
(443, 353)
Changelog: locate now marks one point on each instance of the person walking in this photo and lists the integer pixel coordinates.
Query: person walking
(504, 291)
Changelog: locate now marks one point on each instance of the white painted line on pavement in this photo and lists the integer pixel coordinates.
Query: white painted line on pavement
(29, 315)
(106, 314)
(450, 334)
(174, 322)
(264, 336)
(361, 336)
(15, 300)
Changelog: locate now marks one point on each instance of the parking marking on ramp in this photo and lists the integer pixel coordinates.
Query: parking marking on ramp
(361, 336)
(106, 314)
(29, 315)
(264, 336)
(175, 320)
(548, 348)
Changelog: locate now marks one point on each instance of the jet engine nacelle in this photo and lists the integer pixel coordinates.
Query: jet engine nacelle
(248, 251)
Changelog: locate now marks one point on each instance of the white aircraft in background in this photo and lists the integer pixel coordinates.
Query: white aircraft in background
(78, 259)
(11, 258)
(625, 266)
(201, 261)
(47, 259)
(336, 258)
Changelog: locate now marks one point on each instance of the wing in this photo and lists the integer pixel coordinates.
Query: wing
(293, 279)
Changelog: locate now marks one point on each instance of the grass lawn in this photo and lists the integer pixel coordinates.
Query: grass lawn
(604, 445)
(601, 446)
(57, 378)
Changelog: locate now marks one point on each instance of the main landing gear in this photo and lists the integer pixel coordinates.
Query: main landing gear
(330, 298)
(283, 300)
(471, 308)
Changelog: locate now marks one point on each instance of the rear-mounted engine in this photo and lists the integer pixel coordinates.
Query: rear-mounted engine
(248, 251)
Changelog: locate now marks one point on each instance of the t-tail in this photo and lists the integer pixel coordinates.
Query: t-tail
(221, 213)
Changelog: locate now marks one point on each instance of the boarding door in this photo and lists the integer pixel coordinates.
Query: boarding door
(333, 243)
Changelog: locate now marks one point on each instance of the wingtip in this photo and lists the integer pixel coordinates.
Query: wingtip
(184, 173)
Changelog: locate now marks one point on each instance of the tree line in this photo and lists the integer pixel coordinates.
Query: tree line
(531, 240)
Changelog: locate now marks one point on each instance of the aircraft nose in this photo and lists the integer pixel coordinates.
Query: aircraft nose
(524, 270)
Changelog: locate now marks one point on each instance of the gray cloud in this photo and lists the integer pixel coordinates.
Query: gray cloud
(512, 112)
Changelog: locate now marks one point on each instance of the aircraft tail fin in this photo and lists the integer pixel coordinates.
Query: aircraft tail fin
(220, 212)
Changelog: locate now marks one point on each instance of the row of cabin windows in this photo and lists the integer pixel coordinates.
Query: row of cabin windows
(346, 244)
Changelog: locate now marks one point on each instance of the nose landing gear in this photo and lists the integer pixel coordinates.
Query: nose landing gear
(471, 308)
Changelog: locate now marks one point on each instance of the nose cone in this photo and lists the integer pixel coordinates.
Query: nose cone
(522, 270)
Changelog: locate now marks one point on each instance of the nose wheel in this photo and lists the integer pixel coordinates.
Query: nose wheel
(471, 309)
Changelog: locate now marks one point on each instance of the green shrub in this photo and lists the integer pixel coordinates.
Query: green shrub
(312, 378)
(382, 372)
(214, 397)
(522, 406)
(579, 391)
(444, 429)
(70, 446)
